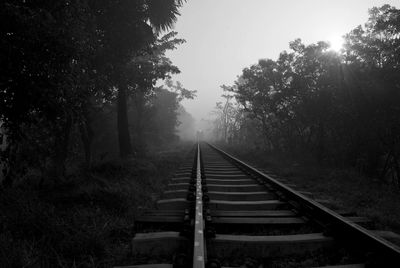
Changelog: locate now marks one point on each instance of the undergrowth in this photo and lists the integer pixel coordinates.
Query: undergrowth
(344, 187)
(86, 220)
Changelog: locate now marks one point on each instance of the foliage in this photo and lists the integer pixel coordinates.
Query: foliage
(87, 221)
(66, 63)
(186, 125)
(339, 107)
(155, 120)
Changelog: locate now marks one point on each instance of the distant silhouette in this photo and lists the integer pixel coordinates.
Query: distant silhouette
(339, 108)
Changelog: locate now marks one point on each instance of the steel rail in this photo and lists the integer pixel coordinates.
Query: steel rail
(199, 248)
(388, 252)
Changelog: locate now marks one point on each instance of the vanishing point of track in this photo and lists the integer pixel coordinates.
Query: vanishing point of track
(218, 211)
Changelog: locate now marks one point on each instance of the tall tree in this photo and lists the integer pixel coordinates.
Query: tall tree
(45, 46)
(65, 60)
(337, 107)
(125, 31)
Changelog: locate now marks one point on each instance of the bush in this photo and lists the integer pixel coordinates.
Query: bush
(86, 221)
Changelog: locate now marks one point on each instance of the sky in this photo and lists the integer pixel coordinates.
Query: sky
(225, 36)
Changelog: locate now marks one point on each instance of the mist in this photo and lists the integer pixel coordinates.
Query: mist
(225, 36)
(119, 120)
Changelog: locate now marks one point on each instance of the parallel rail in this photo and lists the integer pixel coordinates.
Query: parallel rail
(199, 246)
(385, 251)
(222, 193)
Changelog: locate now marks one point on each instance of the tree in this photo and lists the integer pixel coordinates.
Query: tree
(339, 108)
(67, 60)
(186, 125)
(372, 54)
(144, 72)
(125, 33)
(45, 46)
(160, 112)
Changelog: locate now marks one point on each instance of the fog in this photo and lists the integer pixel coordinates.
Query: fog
(225, 36)
(101, 103)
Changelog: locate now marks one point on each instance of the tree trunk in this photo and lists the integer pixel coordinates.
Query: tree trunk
(9, 166)
(140, 145)
(124, 139)
(61, 148)
(86, 131)
(321, 142)
(396, 168)
(266, 136)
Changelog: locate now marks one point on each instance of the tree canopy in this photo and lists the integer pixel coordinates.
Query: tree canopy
(338, 107)
(66, 62)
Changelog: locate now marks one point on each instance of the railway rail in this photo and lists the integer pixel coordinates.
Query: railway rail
(221, 212)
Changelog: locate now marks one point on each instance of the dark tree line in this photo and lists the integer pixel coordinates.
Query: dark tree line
(66, 64)
(341, 108)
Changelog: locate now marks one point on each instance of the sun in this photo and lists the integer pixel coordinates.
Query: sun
(336, 42)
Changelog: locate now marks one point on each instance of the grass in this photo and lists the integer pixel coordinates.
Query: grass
(345, 188)
(85, 221)
(317, 258)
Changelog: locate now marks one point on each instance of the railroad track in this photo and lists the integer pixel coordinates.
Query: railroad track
(220, 212)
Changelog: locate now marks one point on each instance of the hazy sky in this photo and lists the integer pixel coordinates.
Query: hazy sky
(224, 36)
